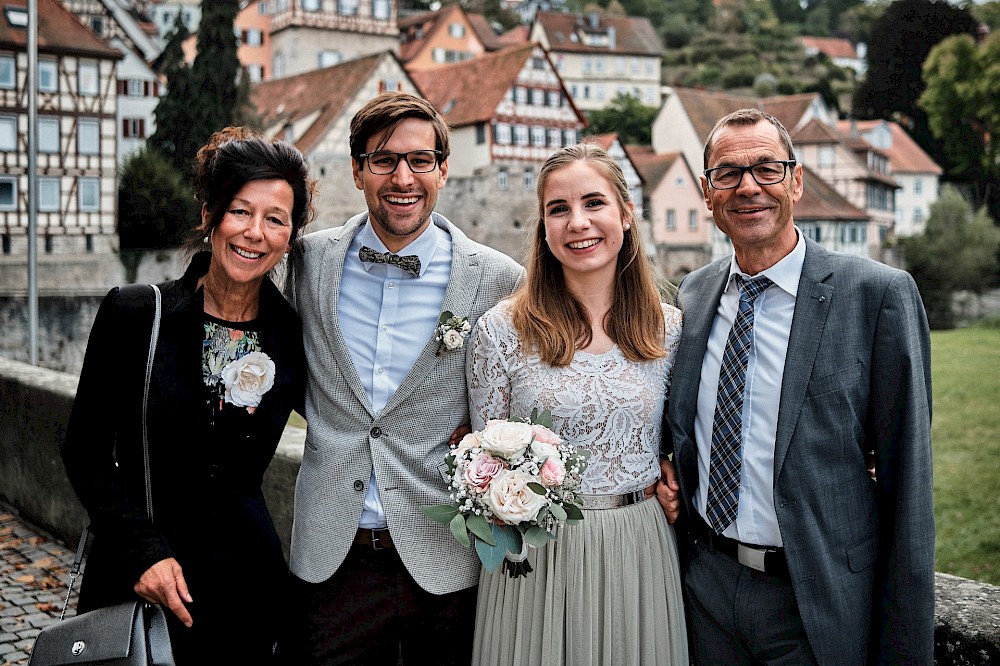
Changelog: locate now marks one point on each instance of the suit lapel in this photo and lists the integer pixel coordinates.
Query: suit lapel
(329, 303)
(812, 304)
(459, 298)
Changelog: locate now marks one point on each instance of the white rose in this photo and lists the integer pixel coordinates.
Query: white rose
(506, 438)
(468, 442)
(452, 339)
(510, 498)
(544, 450)
(248, 378)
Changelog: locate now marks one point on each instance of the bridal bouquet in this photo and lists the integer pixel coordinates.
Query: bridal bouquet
(512, 484)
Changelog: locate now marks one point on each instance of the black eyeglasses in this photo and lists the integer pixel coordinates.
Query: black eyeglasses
(385, 162)
(764, 173)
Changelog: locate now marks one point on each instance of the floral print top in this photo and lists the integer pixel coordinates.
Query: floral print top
(234, 368)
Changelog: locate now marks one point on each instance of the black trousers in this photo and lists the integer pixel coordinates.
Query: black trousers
(371, 612)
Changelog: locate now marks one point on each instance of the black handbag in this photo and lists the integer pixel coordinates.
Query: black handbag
(133, 633)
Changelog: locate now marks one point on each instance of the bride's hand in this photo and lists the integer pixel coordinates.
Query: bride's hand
(668, 492)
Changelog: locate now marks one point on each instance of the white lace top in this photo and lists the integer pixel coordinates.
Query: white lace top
(603, 403)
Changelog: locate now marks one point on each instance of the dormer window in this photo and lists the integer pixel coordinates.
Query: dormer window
(17, 17)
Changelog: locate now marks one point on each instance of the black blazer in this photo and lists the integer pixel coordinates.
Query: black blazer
(208, 507)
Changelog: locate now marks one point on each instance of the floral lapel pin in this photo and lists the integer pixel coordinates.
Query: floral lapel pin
(451, 332)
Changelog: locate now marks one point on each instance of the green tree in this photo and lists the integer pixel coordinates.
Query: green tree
(901, 38)
(962, 102)
(626, 116)
(988, 13)
(957, 251)
(173, 112)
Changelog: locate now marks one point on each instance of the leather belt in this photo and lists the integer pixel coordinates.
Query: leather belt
(378, 539)
(592, 502)
(765, 559)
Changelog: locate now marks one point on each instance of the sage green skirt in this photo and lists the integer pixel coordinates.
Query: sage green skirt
(606, 592)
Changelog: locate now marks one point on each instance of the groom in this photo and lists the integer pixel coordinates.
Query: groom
(373, 579)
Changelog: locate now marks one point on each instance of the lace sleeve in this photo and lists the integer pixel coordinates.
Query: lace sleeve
(487, 369)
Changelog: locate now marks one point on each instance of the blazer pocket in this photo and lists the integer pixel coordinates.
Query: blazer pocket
(861, 556)
(835, 381)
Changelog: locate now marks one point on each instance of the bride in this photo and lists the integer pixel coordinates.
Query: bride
(587, 338)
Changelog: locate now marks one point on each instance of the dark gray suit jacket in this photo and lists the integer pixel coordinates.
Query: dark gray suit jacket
(856, 378)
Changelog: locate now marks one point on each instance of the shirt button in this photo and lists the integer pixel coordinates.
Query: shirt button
(385, 327)
(359, 485)
(379, 371)
(376, 432)
(391, 285)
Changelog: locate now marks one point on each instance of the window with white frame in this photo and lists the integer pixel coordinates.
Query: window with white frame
(600, 91)
(634, 65)
(278, 64)
(347, 7)
(555, 99)
(918, 186)
(48, 135)
(8, 193)
(620, 65)
(538, 97)
(89, 194)
(588, 64)
(255, 37)
(311, 5)
(88, 78)
(521, 135)
(503, 182)
(48, 194)
(918, 215)
(48, 76)
(528, 178)
(437, 54)
(7, 71)
(538, 136)
(693, 220)
(456, 30)
(255, 72)
(569, 137)
(521, 95)
(586, 92)
(502, 134)
(555, 138)
(8, 133)
(88, 137)
(599, 64)
(380, 9)
(826, 156)
(329, 58)
(136, 88)
(133, 128)
(671, 219)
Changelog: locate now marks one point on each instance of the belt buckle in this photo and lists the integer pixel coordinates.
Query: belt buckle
(752, 557)
(375, 540)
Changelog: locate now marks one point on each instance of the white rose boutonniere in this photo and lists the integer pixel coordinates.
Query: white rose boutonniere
(247, 379)
(451, 332)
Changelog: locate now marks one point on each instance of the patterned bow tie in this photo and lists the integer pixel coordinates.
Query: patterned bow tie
(409, 263)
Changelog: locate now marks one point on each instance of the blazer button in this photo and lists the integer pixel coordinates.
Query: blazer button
(376, 432)
(359, 485)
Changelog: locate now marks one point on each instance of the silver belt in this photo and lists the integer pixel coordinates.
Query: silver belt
(591, 502)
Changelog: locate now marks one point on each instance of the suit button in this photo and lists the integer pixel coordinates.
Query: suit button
(359, 485)
(376, 432)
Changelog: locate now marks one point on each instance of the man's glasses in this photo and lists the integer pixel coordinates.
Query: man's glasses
(764, 173)
(384, 162)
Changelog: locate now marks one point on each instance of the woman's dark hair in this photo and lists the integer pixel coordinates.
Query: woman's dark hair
(233, 157)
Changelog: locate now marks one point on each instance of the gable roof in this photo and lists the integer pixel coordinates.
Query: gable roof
(632, 35)
(832, 47)
(490, 39)
(652, 167)
(415, 30)
(137, 32)
(519, 34)
(59, 31)
(815, 132)
(322, 91)
(705, 108)
(905, 154)
(820, 202)
(470, 91)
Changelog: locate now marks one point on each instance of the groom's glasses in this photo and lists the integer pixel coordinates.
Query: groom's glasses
(385, 162)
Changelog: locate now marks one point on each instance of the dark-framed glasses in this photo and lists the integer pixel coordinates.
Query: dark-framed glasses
(771, 172)
(385, 162)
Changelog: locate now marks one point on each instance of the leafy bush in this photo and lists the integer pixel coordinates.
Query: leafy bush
(156, 206)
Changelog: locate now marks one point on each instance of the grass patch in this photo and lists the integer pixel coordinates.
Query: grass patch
(965, 365)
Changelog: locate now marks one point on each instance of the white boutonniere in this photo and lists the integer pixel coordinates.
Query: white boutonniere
(451, 332)
(247, 379)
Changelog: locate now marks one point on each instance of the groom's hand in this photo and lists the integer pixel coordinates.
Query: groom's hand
(460, 432)
(668, 491)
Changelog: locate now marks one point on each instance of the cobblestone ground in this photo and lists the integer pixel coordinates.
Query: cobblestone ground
(34, 573)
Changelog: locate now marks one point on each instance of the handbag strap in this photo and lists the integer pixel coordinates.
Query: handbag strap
(74, 572)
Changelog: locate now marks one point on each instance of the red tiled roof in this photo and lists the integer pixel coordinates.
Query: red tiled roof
(59, 31)
(633, 35)
(650, 166)
(322, 91)
(705, 108)
(905, 154)
(820, 202)
(490, 39)
(832, 47)
(470, 91)
(816, 131)
(415, 30)
(516, 36)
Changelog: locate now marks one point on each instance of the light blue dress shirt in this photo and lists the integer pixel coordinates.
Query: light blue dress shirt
(756, 522)
(386, 317)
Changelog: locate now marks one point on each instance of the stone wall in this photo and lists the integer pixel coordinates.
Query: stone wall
(34, 409)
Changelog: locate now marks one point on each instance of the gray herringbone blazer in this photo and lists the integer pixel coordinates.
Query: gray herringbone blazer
(407, 442)
(856, 378)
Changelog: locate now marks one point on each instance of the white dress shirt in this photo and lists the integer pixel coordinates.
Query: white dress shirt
(386, 317)
(756, 521)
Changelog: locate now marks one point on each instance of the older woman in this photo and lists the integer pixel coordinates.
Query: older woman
(229, 367)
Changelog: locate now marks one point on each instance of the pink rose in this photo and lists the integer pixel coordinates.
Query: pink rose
(235, 335)
(553, 472)
(481, 470)
(543, 434)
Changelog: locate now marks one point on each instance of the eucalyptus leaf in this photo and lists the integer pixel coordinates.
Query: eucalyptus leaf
(445, 316)
(478, 526)
(514, 540)
(492, 556)
(537, 488)
(440, 513)
(573, 512)
(458, 530)
(557, 511)
(536, 536)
